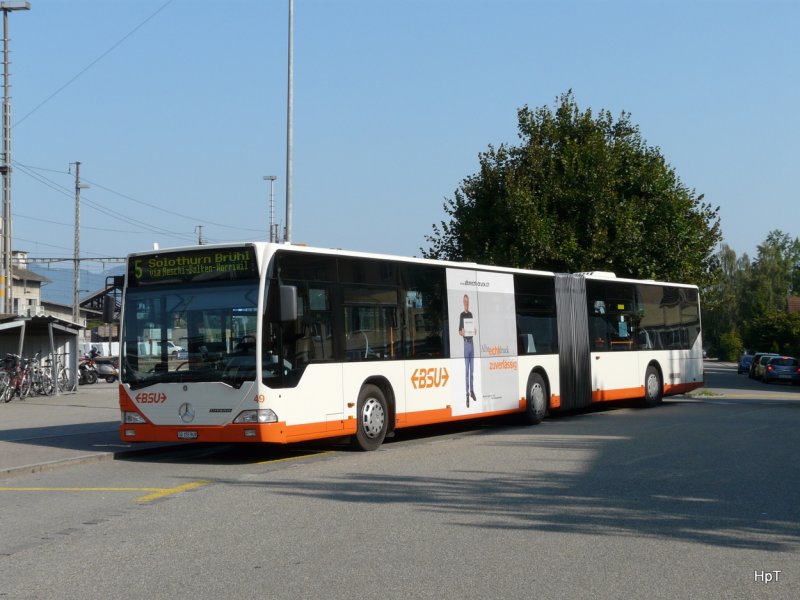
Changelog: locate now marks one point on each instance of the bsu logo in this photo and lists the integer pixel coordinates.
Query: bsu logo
(433, 377)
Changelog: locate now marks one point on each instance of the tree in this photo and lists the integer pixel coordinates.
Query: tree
(775, 273)
(579, 193)
(775, 331)
(730, 346)
(721, 301)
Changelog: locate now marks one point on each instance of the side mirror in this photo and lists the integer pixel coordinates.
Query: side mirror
(288, 303)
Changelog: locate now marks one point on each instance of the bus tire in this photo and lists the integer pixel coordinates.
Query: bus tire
(372, 418)
(653, 391)
(536, 400)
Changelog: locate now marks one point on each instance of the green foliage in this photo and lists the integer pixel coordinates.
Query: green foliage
(774, 274)
(751, 297)
(730, 346)
(775, 331)
(722, 297)
(580, 193)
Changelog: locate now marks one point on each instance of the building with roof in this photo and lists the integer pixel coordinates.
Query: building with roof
(26, 291)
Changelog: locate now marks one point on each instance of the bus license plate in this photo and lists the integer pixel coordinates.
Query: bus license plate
(187, 435)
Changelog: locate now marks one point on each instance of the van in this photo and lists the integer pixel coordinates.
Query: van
(153, 348)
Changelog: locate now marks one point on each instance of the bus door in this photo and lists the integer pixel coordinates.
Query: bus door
(612, 325)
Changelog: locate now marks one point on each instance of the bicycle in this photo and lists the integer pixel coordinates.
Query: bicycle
(6, 367)
(17, 371)
(65, 378)
(41, 379)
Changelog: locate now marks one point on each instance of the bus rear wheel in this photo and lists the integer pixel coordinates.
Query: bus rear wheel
(371, 414)
(653, 392)
(536, 403)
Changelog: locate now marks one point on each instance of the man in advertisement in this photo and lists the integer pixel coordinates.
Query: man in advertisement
(467, 329)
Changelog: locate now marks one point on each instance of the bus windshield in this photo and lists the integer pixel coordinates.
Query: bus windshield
(190, 332)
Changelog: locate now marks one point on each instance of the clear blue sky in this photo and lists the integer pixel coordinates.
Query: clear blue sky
(176, 124)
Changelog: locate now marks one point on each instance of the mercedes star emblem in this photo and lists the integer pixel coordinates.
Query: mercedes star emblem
(186, 412)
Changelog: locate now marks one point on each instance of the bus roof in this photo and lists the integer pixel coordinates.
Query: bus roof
(267, 249)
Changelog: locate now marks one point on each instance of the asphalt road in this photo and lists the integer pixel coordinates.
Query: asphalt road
(697, 498)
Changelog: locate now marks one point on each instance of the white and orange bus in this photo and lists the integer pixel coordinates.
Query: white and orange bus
(262, 342)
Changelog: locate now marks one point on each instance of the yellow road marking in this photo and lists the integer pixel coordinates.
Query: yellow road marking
(155, 493)
(170, 491)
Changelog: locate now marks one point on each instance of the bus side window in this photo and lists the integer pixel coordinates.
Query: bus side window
(535, 307)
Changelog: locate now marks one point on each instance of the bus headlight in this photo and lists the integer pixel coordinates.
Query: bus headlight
(261, 415)
(132, 417)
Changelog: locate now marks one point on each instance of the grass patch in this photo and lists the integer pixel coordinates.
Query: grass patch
(704, 393)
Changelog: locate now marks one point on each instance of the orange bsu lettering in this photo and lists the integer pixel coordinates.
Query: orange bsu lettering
(434, 377)
(150, 398)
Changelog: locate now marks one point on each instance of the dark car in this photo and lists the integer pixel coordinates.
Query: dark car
(782, 368)
(745, 360)
(753, 372)
(761, 365)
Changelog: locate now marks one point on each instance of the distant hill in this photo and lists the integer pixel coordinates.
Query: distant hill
(60, 287)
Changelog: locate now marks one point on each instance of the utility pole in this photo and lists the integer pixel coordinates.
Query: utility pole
(76, 276)
(6, 274)
(289, 112)
(199, 230)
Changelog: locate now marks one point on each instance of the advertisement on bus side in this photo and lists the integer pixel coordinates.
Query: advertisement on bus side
(482, 332)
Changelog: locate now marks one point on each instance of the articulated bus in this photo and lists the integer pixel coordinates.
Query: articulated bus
(261, 342)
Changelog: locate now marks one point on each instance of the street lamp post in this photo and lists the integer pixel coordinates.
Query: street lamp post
(273, 228)
(6, 275)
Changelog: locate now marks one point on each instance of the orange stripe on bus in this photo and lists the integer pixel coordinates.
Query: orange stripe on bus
(275, 433)
(280, 433)
(445, 415)
(671, 389)
(617, 394)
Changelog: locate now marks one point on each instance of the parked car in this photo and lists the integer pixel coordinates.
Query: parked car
(761, 364)
(175, 350)
(756, 359)
(153, 348)
(745, 360)
(782, 368)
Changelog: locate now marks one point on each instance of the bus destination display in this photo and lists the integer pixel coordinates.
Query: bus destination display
(194, 265)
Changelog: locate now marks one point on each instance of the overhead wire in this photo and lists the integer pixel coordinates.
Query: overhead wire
(60, 189)
(31, 172)
(106, 229)
(95, 206)
(94, 62)
(169, 212)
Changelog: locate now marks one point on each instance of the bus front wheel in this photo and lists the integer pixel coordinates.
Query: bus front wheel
(653, 391)
(536, 404)
(372, 418)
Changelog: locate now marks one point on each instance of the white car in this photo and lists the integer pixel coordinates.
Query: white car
(173, 349)
(153, 348)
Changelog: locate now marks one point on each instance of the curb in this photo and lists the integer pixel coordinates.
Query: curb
(54, 464)
(94, 457)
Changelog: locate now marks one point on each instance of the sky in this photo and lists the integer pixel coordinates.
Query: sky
(176, 110)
